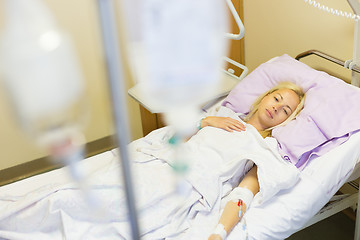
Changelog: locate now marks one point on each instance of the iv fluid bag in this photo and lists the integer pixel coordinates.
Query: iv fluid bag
(39, 68)
(176, 48)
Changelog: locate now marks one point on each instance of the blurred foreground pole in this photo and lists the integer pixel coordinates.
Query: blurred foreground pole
(115, 71)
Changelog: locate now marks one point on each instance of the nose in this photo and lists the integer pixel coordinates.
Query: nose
(276, 108)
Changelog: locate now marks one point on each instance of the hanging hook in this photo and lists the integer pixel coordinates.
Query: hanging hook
(238, 21)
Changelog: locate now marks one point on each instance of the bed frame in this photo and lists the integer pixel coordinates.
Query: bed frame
(342, 201)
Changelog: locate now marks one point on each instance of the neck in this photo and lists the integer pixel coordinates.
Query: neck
(256, 124)
(264, 133)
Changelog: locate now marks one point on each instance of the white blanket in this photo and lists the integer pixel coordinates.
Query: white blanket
(218, 158)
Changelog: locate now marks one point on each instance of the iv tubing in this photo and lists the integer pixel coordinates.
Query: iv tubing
(114, 68)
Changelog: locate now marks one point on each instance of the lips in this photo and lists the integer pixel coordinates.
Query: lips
(269, 114)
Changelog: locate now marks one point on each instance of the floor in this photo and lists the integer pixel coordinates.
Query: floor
(337, 227)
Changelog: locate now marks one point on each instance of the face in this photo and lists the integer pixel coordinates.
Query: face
(276, 107)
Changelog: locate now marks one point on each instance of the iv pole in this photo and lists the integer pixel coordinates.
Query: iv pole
(115, 76)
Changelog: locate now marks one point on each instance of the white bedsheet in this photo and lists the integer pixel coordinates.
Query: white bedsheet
(50, 206)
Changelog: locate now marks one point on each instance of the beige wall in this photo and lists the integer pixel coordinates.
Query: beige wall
(80, 19)
(275, 27)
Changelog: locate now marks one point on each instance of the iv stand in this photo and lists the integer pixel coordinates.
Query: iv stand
(114, 69)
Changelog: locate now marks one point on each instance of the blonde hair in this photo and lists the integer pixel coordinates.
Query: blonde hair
(288, 85)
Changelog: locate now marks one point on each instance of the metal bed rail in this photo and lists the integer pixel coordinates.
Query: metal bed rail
(327, 57)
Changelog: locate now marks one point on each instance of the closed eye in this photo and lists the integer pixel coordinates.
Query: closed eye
(287, 110)
(276, 99)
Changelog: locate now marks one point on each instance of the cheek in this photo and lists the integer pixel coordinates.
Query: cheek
(282, 117)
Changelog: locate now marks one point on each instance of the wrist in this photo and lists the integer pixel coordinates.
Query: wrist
(202, 123)
(220, 230)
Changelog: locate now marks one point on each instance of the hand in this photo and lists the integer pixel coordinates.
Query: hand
(226, 123)
(215, 237)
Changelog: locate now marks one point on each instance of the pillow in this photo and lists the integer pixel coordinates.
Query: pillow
(331, 112)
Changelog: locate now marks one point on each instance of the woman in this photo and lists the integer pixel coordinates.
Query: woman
(276, 107)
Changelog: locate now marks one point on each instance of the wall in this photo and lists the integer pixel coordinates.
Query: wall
(276, 27)
(79, 19)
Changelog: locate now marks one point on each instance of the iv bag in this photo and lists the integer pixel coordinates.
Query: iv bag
(175, 49)
(40, 71)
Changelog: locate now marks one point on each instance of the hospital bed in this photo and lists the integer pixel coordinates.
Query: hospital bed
(50, 205)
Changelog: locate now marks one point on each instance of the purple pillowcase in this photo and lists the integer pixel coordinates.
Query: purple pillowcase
(330, 115)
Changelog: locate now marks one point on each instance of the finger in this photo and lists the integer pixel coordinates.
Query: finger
(228, 128)
(237, 123)
(238, 127)
(241, 126)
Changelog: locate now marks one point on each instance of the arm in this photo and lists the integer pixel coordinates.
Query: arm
(226, 123)
(230, 216)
